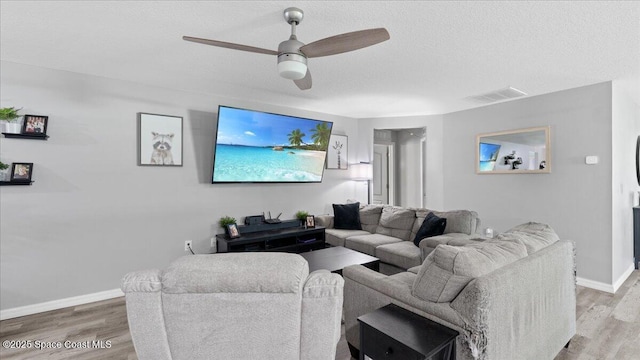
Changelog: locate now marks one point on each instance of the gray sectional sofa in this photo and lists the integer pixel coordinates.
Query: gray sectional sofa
(512, 297)
(388, 233)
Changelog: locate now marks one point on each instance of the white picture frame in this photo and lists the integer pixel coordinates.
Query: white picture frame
(338, 152)
(159, 140)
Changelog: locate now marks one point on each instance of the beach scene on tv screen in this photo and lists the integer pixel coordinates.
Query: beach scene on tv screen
(488, 156)
(260, 147)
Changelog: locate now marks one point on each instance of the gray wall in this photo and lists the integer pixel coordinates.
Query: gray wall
(409, 168)
(626, 129)
(92, 214)
(575, 199)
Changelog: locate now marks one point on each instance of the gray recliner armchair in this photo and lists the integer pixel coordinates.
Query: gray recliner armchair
(234, 306)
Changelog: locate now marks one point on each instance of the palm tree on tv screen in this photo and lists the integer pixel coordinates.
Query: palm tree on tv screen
(321, 135)
(295, 137)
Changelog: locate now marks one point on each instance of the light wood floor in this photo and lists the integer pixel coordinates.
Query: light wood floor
(608, 327)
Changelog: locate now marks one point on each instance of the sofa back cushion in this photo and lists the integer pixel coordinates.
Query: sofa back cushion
(458, 221)
(534, 236)
(396, 221)
(370, 217)
(448, 269)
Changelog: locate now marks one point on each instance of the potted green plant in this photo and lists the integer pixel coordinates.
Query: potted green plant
(11, 116)
(226, 220)
(302, 216)
(3, 172)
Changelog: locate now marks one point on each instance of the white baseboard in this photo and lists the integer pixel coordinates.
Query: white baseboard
(625, 275)
(606, 287)
(59, 304)
(595, 285)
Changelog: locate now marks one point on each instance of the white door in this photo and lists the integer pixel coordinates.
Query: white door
(380, 174)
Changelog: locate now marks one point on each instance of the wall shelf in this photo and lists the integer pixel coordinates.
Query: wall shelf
(25, 136)
(4, 183)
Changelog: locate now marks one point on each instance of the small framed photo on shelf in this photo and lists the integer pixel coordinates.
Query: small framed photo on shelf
(35, 125)
(21, 172)
(311, 221)
(232, 230)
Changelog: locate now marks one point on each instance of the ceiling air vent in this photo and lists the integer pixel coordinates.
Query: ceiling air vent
(498, 95)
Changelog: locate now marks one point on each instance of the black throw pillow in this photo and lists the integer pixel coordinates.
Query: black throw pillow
(431, 226)
(347, 216)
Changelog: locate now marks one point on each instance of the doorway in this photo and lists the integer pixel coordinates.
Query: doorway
(382, 167)
(398, 167)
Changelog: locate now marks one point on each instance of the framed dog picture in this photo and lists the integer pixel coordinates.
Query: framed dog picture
(232, 230)
(159, 140)
(311, 221)
(21, 172)
(35, 125)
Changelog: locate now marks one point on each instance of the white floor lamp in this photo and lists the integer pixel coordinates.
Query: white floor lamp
(363, 171)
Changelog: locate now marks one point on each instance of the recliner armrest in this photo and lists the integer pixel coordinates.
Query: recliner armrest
(322, 299)
(322, 283)
(142, 281)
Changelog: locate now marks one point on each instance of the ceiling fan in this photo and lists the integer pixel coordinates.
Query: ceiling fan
(293, 54)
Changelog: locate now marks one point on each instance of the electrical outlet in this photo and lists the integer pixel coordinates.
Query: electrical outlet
(187, 245)
(213, 241)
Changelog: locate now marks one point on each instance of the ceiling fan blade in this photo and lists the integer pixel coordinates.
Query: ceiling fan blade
(305, 82)
(345, 42)
(230, 45)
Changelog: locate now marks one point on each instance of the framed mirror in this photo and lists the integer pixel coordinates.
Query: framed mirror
(524, 151)
(638, 160)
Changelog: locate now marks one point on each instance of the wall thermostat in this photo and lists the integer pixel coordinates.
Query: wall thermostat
(591, 160)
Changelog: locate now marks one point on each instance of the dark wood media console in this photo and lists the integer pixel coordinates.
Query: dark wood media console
(284, 238)
(636, 237)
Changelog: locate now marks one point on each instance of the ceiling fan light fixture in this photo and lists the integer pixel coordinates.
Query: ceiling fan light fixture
(292, 66)
(292, 54)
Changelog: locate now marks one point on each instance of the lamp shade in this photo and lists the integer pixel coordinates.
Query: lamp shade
(362, 171)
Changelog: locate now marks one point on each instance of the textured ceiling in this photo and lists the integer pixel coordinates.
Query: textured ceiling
(439, 52)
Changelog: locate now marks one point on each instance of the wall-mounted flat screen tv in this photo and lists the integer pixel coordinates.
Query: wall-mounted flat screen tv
(259, 147)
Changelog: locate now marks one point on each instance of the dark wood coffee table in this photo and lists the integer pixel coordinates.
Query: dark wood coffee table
(337, 258)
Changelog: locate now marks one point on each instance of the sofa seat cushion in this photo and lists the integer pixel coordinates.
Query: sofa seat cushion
(368, 243)
(402, 254)
(534, 236)
(448, 269)
(414, 269)
(397, 222)
(336, 237)
(444, 239)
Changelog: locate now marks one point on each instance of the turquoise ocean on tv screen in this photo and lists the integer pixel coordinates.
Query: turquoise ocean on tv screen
(264, 164)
